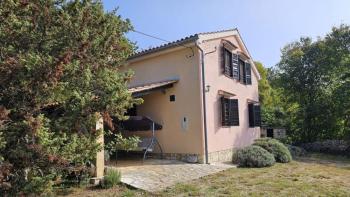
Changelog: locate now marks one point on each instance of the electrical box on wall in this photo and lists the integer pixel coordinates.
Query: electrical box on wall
(184, 123)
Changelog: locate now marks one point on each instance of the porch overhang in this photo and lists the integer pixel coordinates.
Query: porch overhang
(140, 123)
(144, 89)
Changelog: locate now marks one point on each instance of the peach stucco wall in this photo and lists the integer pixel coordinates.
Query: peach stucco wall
(174, 138)
(223, 138)
(179, 63)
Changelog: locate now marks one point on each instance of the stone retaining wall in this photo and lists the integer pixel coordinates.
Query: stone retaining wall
(340, 147)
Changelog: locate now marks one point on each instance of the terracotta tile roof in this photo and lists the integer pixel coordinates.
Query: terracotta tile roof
(179, 42)
(150, 86)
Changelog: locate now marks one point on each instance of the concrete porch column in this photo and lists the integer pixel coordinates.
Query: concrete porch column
(100, 161)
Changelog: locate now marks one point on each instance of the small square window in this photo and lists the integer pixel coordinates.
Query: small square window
(172, 98)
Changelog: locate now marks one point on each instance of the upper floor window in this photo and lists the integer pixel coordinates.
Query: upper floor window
(235, 67)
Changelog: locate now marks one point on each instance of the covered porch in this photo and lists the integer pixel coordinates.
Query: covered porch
(142, 169)
(142, 125)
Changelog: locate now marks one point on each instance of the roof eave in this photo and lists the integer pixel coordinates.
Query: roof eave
(178, 43)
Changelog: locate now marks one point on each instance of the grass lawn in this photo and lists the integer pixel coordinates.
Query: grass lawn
(316, 175)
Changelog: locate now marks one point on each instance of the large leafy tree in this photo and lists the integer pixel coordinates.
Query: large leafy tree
(59, 67)
(265, 90)
(273, 108)
(314, 77)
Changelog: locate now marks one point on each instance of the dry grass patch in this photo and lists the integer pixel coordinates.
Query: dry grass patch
(298, 178)
(318, 175)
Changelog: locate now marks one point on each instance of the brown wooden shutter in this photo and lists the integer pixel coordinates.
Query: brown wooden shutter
(241, 70)
(244, 80)
(248, 74)
(235, 66)
(222, 55)
(234, 112)
(257, 115)
(251, 114)
(224, 111)
(227, 56)
(222, 58)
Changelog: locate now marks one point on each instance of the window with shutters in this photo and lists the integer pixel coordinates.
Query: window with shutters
(235, 67)
(254, 115)
(229, 112)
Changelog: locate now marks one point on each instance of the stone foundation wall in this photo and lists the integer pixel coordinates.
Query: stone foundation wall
(189, 158)
(227, 155)
(222, 156)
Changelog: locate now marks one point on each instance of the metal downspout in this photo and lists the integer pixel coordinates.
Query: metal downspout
(204, 105)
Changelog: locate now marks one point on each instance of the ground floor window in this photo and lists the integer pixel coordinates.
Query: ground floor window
(229, 112)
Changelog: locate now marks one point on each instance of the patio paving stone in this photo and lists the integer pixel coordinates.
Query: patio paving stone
(155, 175)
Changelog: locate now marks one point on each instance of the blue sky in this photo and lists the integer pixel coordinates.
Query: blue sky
(265, 25)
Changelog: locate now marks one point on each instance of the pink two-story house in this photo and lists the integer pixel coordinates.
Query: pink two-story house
(203, 91)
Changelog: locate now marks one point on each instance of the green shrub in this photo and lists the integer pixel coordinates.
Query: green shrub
(116, 142)
(39, 186)
(279, 150)
(111, 179)
(254, 156)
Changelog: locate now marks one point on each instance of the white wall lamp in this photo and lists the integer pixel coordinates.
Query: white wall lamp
(207, 88)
